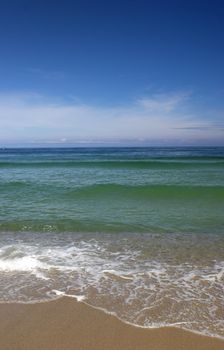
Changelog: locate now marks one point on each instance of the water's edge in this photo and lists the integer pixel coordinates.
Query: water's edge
(114, 315)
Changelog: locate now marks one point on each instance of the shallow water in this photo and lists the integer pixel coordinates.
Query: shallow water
(138, 232)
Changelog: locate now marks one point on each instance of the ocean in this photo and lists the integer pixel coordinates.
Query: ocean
(138, 232)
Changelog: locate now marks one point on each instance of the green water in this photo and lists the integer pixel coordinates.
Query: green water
(112, 190)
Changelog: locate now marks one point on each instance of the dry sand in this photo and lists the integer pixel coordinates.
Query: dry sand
(66, 324)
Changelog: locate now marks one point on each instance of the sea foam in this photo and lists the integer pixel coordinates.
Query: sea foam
(142, 283)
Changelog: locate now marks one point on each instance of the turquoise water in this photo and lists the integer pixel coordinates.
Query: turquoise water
(138, 232)
(112, 190)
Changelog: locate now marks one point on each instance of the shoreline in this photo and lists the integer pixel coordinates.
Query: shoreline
(68, 324)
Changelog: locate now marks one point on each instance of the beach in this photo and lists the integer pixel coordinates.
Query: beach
(111, 175)
(137, 232)
(68, 324)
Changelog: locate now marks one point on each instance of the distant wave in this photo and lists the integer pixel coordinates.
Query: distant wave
(120, 190)
(148, 192)
(141, 164)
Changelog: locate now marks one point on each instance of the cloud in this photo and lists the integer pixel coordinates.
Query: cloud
(208, 127)
(163, 103)
(158, 118)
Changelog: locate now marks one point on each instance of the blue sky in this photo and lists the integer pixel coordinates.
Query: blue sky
(112, 72)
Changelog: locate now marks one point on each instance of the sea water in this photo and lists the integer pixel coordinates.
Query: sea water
(138, 232)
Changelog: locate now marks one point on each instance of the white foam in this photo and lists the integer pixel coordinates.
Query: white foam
(24, 264)
(132, 286)
(79, 298)
(117, 274)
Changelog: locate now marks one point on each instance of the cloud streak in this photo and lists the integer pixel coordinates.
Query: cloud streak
(154, 119)
(163, 103)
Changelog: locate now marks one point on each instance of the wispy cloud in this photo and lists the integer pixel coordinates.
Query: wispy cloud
(202, 127)
(163, 103)
(158, 118)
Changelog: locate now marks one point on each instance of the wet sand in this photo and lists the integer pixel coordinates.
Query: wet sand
(66, 324)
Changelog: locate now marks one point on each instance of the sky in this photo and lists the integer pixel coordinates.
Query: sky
(141, 73)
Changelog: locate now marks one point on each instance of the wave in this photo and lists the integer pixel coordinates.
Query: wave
(135, 164)
(114, 190)
(71, 225)
(145, 280)
(110, 207)
(148, 191)
(14, 185)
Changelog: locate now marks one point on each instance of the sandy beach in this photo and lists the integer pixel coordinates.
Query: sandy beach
(111, 175)
(67, 324)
